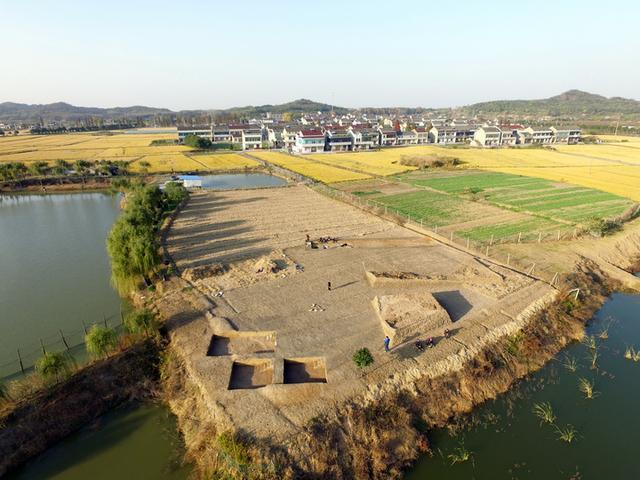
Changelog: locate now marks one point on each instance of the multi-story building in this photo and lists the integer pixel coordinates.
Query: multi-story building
(309, 141)
(289, 135)
(388, 137)
(569, 135)
(422, 135)
(199, 131)
(535, 136)
(488, 136)
(365, 138)
(338, 140)
(407, 137)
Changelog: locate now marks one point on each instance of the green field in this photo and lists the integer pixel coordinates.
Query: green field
(534, 195)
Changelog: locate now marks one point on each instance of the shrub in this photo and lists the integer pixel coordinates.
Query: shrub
(54, 365)
(602, 227)
(195, 141)
(141, 321)
(101, 341)
(363, 358)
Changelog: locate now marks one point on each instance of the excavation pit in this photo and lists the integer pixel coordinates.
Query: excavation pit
(241, 343)
(305, 370)
(251, 373)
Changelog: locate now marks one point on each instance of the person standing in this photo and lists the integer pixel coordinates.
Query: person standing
(387, 341)
(329, 286)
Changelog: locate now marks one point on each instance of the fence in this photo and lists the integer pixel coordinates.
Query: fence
(442, 234)
(71, 341)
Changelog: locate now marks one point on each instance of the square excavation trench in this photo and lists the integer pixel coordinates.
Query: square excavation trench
(251, 373)
(241, 343)
(305, 370)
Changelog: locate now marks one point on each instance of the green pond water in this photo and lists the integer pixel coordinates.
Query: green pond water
(507, 441)
(55, 275)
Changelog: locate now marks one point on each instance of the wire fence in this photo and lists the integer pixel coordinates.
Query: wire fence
(70, 341)
(483, 248)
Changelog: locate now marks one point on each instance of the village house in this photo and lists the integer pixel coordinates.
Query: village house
(508, 136)
(199, 131)
(221, 134)
(388, 137)
(338, 140)
(309, 141)
(535, 136)
(251, 137)
(407, 137)
(289, 135)
(488, 136)
(569, 135)
(365, 138)
(422, 135)
(442, 135)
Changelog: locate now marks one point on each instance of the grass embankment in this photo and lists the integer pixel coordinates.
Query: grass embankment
(38, 421)
(380, 440)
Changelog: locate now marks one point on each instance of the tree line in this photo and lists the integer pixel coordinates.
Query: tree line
(16, 171)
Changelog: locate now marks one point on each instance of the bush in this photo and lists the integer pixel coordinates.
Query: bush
(101, 341)
(174, 193)
(602, 227)
(54, 365)
(363, 358)
(195, 141)
(141, 321)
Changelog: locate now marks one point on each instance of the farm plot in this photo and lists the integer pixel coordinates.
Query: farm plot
(166, 163)
(317, 171)
(383, 163)
(593, 172)
(224, 161)
(533, 195)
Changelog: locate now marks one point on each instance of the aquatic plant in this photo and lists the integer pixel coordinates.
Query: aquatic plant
(587, 387)
(570, 363)
(590, 341)
(544, 412)
(567, 434)
(459, 455)
(593, 358)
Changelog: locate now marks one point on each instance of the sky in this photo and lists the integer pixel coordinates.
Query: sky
(189, 54)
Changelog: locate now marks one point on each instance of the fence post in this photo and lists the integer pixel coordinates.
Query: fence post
(487, 252)
(64, 340)
(44, 352)
(558, 235)
(20, 360)
(451, 237)
(539, 237)
(519, 236)
(468, 243)
(104, 320)
(491, 241)
(84, 326)
(508, 258)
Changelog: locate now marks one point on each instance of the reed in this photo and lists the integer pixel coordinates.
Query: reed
(630, 353)
(593, 358)
(544, 412)
(460, 455)
(567, 434)
(590, 342)
(587, 388)
(570, 363)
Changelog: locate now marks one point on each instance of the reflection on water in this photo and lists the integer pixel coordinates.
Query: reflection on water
(137, 443)
(508, 441)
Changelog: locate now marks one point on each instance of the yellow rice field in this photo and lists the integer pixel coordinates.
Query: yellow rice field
(224, 161)
(166, 163)
(385, 162)
(309, 168)
(602, 170)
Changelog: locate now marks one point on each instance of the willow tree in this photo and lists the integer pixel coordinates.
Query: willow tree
(101, 341)
(54, 365)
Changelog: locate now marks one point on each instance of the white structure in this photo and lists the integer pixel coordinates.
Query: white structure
(198, 131)
(569, 135)
(488, 136)
(309, 141)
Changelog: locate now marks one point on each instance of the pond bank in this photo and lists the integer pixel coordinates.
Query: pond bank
(380, 439)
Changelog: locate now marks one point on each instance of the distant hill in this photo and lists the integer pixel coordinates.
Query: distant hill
(64, 112)
(573, 103)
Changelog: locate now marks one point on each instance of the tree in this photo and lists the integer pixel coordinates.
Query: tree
(195, 141)
(141, 321)
(54, 365)
(39, 169)
(174, 193)
(363, 358)
(101, 341)
(61, 167)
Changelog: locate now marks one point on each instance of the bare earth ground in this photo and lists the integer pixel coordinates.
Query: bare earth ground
(273, 284)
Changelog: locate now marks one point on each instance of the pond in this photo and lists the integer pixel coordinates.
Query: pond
(505, 439)
(55, 276)
(241, 180)
(130, 443)
(55, 272)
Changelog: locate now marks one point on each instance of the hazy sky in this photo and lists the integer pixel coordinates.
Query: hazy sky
(217, 54)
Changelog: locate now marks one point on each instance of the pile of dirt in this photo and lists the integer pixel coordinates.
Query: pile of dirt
(204, 271)
(408, 315)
